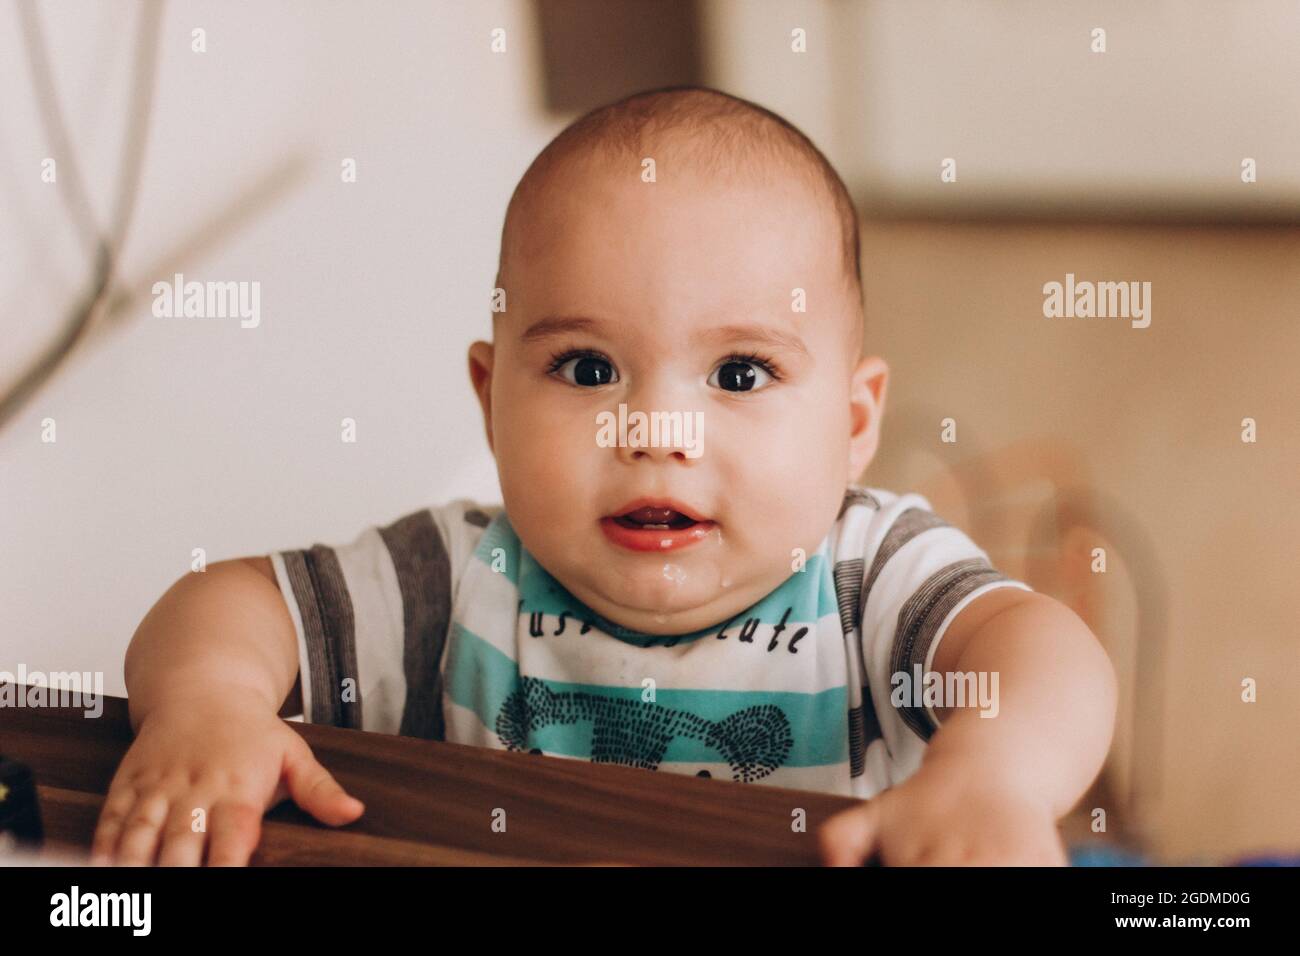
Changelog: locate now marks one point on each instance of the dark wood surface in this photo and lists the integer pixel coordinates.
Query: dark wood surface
(433, 803)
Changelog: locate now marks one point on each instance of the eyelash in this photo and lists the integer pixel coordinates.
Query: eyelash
(766, 364)
(754, 358)
(566, 355)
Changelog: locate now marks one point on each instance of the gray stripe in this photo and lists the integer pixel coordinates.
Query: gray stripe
(856, 496)
(424, 578)
(329, 630)
(906, 526)
(864, 727)
(848, 592)
(923, 614)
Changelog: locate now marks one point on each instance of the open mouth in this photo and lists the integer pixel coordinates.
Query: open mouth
(655, 519)
(656, 525)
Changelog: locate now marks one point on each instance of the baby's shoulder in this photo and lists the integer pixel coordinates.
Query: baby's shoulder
(870, 501)
(462, 523)
(466, 511)
(437, 539)
(871, 518)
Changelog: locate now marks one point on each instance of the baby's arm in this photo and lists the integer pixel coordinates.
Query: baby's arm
(226, 630)
(207, 672)
(990, 789)
(1057, 697)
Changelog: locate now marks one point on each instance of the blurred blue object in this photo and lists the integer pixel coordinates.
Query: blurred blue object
(1105, 856)
(1267, 861)
(1118, 856)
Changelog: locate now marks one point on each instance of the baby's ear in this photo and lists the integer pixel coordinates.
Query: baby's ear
(481, 357)
(867, 390)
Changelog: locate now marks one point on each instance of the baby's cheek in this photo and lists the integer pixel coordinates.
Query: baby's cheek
(814, 438)
(550, 480)
(542, 445)
(824, 444)
(812, 486)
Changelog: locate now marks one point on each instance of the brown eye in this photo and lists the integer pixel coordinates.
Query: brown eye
(736, 375)
(587, 371)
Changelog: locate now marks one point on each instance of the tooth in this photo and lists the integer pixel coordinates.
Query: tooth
(655, 527)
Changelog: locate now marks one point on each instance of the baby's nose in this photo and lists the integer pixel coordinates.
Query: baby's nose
(652, 436)
(653, 454)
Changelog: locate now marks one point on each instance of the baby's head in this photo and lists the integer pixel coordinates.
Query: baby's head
(720, 282)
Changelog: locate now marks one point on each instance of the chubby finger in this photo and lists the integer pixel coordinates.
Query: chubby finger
(314, 789)
(235, 827)
(143, 829)
(112, 821)
(182, 845)
(849, 838)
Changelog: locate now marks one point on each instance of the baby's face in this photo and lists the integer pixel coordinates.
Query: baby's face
(675, 296)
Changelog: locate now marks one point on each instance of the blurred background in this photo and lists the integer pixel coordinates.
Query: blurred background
(1125, 165)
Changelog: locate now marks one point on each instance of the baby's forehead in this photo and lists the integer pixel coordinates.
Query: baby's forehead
(680, 213)
(730, 225)
(683, 177)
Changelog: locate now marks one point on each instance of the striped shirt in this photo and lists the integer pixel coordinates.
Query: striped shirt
(443, 626)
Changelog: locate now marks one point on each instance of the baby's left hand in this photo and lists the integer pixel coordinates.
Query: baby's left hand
(939, 817)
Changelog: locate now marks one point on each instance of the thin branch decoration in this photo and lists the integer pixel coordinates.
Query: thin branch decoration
(105, 244)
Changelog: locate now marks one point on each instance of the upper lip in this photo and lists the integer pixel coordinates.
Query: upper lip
(672, 503)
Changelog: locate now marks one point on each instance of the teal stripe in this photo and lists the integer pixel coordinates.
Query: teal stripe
(808, 595)
(480, 678)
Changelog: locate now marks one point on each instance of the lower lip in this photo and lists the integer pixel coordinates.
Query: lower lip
(657, 540)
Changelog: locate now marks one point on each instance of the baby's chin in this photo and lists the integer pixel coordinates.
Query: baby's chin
(691, 601)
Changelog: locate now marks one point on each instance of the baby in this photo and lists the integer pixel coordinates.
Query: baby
(735, 607)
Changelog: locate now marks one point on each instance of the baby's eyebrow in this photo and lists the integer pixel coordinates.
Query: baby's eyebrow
(751, 332)
(553, 325)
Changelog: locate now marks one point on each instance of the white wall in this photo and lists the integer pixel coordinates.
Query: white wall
(181, 433)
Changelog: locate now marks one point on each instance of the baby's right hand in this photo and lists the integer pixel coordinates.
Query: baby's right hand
(233, 760)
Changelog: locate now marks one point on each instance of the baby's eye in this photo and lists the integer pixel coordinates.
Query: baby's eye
(741, 375)
(588, 371)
